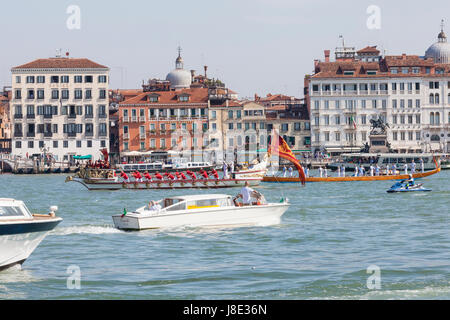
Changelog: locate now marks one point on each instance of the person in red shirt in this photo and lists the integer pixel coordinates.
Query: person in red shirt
(183, 176)
(170, 176)
(147, 176)
(204, 173)
(124, 176)
(178, 175)
(214, 173)
(158, 176)
(191, 174)
(138, 176)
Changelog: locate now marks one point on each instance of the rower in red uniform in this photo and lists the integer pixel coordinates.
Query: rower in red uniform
(214, 173)
(204, 173)
(158, 176)
(137, 175)
(147, 176)
(178, 175)
(183, 176)
(191, 174)
(170, 176)
(124, 176)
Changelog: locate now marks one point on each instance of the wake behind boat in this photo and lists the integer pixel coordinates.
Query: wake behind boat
(218, 210)
(21, 232)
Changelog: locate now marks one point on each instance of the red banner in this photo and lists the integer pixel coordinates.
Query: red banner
(280, 147)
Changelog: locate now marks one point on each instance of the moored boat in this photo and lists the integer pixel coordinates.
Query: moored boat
(21, 232)
(218, 210)
(405, 186)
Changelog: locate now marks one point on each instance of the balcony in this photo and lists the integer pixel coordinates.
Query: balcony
(133, 118)
(141, 119)
(89, 134)
(126, 119)
(102, 134)
(18, 116)
(142, 136)
(30, 116)
(72, 115)
(31, 134)
(48, 116)
(350, 92)
(126, 136)
(48, 134)
(18, 134)
(102, 115)
(88, 116)
(363, 92)
(71, 134)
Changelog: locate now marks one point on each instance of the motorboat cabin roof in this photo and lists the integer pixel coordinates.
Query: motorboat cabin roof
(200, 197)
(11, 209)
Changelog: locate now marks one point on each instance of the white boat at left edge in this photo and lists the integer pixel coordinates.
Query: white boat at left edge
(21, 232)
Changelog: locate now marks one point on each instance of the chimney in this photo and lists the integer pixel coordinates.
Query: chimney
(206, 68)
(316, 63)
(403, 56)
(327, 55)
(192, 75)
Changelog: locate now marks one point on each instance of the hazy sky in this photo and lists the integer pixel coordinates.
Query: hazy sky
(254, 46)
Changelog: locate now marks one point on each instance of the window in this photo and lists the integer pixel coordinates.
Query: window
(30, 79)
(102, 79)
(40, 79)
(394, 70)
(337, 136)
(394, 136)
(88, 79)
(394, 119)
(394, 104)
(418, 118)
(65, 144)
(55, 144)
(78, 79)
(417, 103)
(337, 119)
(230, 126)
(89, 143)
(54, 79)
(78, 94)
(102, 94)
(18, 79)
(88, 94)
(55, 94)
(102, 143)
(78, 144)
(64, 79)
(405, 70)
(18, 94)
(213, 114)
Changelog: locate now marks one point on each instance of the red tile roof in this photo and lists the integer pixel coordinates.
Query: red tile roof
(196, 95)
(369, 49)
(61, 63)
(408, 61)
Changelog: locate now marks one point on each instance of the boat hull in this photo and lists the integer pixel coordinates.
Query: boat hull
(19, 239)
(226, 217)
(351, 178)
(166, 184)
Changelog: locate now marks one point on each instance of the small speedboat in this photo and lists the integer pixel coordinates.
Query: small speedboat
(21, 232)
(218, 210)
(405, 186)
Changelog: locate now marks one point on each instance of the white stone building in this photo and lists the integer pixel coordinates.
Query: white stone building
(59, 107)
(411, 93)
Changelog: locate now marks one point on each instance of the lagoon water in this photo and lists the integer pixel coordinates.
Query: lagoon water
(322, 249)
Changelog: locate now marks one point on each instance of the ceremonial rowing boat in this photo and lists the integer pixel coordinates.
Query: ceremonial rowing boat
(106, 179)
(352, 178)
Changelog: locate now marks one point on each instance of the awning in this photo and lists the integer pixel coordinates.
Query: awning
(88, 157)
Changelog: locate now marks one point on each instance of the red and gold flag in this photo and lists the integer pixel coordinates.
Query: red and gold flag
(280, 147)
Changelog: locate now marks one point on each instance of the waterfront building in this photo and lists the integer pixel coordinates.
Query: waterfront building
(5, 123)
(410, 93)
(59, 107)
(292, 123)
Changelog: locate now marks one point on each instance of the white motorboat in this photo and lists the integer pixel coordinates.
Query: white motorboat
(218, 210)
(21, 232)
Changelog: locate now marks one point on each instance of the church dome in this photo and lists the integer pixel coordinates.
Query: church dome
(179, 78)
(439, 51)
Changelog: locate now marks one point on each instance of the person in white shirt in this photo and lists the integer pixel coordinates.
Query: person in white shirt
(343, 170)
(320, 171)
(405, 166)
(371, 170)
(284, 171)
(422, 167)
(413, 167)
(225, 170)
(356, 170)
(291, 172)
(246, 194)
(325, 172)
(339, 171)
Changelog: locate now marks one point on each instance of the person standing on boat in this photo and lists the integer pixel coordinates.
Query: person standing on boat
(371, 170)
(246, 194)
(362, 172)
(291, 172)
(413, 167)
(225, 170)
(405, 166)
(306, 171)
(356, 170)
(320, 172)
(377, 170)
(394, 169)
(343, 170)
(325, 172)
(284, 171)
(422, 167)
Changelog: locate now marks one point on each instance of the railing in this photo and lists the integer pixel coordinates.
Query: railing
(48, 116)
(88, 116)
(30, 116)
(102, 115)
(72, 115)
(18, 134)
(141, 119)
(89, 134)
(133, 118)
(126, 119)
(48, 134)
(31, 134)
(126, 136)
(102, 134)
(18, 116)
(71, 134)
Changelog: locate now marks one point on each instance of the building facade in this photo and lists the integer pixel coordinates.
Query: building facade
(410, 93)
(59, 107)
(5, 123)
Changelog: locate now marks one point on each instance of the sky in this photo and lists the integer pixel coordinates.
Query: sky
(253, 46)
